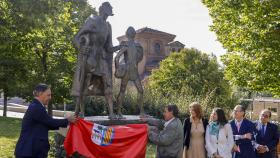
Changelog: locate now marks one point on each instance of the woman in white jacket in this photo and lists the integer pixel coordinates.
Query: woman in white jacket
(219, 138)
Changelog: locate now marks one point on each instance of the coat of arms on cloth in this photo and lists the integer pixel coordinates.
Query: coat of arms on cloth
(102, 135)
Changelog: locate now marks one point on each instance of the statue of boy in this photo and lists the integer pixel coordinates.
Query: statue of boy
(127, 69)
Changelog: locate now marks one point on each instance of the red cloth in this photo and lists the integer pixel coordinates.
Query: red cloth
(128, 141)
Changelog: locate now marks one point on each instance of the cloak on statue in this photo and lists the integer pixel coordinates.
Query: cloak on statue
(94, 66)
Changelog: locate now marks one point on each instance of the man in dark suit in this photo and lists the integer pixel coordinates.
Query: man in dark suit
(33, 141)
(243, 131)
(266, 136)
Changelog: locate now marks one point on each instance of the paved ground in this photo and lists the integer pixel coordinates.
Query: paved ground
(12, 114)
(16, 114)
(15, 100)
(21, 104)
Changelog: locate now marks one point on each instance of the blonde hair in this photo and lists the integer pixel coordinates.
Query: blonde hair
(197, 109)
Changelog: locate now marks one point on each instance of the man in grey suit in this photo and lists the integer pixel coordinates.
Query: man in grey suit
(169, 140)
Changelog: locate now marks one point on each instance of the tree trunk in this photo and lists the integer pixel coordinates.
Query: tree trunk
(5, 103)
(45, 70)
(44, 63)
(50, 108)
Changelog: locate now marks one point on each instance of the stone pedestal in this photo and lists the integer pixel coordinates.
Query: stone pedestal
(104, 120)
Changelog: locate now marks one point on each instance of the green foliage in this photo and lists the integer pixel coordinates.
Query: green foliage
(188, 76)
(12, 66)
(36, 45)
(191, 69)
(95, 106)
(12, 60)
(250, 31)
(51, 48)
(151, 151)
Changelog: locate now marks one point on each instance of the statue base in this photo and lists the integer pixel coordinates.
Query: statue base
(104, 120)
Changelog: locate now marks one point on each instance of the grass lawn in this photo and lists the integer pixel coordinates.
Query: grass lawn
(10, 130)
(9, 133)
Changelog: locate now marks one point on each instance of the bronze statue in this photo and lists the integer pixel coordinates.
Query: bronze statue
(93, 75)
(127, 69)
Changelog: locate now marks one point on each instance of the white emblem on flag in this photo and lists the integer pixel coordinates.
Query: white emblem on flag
(102, 135)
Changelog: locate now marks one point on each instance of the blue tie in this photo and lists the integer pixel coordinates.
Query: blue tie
(262, 132)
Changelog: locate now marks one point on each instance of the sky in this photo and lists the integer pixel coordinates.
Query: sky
(189, 20)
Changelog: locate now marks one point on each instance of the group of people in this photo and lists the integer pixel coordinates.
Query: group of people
(197, 137)
(217, 137)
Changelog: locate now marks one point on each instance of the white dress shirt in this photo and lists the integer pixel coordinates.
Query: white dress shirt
(166, 123)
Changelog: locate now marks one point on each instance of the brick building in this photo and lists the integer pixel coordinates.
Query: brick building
(157, 45)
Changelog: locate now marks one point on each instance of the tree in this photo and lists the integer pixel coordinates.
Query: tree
(191, 73)
(44, 29)
(189, 68)
(52, 48)
(250, 31)
(12, 60)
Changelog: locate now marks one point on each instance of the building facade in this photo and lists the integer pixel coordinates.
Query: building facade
(157, 45)
(259, 103)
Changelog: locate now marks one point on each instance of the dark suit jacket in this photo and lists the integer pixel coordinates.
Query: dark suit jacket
(270, 139)
(245, 145)
(33, 140)
(187, 130)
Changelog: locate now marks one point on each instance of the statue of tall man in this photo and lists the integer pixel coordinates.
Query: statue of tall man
(93, 75)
